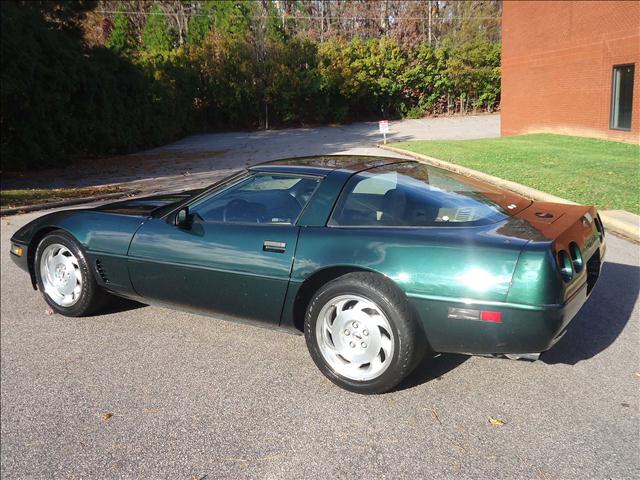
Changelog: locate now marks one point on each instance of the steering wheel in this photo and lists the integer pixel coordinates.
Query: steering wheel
(239, 210)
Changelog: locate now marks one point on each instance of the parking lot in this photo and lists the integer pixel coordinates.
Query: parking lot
(146, 392)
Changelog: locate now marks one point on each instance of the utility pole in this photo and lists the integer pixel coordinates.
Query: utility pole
(429, 23)
(321, 20)
(261, 48)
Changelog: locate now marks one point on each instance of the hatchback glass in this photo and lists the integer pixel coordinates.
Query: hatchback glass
(414, 194)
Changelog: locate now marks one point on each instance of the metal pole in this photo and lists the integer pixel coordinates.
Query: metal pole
(429, 23)
(321, 20)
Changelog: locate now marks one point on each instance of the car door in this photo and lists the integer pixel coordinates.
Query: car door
(235, 255)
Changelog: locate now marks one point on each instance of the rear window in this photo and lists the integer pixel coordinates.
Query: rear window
(413, 194)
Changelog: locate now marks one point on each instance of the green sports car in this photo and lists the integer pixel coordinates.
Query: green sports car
(376, 260)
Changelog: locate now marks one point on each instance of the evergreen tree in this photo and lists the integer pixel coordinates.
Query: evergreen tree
(233, 17)
(200, 24)
(157, 36)
(121, 38)
(226, 17)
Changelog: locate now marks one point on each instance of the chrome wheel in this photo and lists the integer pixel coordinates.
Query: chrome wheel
(61, 276)
(355, 337)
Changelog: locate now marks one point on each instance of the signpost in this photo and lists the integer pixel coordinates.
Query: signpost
(383, 125)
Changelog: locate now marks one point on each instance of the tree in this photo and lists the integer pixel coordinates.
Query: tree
(121, 38)
(471, 22)
(157, 36)
(200, 24)
(62, 14)
(224, 16)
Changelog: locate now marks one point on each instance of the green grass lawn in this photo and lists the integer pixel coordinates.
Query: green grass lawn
(585, 170)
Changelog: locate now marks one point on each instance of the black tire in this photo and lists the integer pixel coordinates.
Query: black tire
(409, 338)
(91, 298)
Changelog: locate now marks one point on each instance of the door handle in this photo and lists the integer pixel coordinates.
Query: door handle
(271, 246)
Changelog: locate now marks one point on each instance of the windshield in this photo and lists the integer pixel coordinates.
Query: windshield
(414, 194)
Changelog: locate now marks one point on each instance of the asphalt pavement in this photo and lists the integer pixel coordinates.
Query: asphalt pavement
(146, 392)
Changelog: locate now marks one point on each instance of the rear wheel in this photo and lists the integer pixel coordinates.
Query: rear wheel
(64, 277)
(361, 333)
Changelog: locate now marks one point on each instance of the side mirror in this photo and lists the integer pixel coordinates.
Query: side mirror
(183, 219)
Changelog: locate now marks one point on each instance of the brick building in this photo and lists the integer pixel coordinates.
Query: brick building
(572, 68)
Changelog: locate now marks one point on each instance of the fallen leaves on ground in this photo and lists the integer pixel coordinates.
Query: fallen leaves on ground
(435, 415)
(25, 197)
(496, 421)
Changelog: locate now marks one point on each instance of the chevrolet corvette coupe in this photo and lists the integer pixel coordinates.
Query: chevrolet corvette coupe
(375, 260)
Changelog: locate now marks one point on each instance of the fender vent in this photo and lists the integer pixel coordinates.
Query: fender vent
(101, 271)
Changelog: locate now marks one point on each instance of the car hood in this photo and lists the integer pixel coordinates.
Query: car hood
(83, 223)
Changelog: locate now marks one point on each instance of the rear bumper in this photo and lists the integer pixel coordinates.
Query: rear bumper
(524, 329)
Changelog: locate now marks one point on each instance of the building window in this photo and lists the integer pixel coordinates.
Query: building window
(622, 97)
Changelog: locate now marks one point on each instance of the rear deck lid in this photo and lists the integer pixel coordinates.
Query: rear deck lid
(543, 213)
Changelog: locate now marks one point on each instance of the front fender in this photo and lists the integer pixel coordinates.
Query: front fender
(100, 233)
(96, 231)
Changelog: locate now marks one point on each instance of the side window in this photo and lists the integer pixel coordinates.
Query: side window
(365, 200)
(261, 198)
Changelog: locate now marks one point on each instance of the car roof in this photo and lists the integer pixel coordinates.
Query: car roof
(323, 164)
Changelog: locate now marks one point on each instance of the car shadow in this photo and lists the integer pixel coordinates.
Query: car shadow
(602, 318)
(432, 368)
(119, 304)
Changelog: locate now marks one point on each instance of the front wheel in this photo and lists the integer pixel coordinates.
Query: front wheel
(64, 277)
(362, 334)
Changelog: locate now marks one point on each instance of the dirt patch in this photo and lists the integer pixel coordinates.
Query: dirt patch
(101, 171)
(26, 197)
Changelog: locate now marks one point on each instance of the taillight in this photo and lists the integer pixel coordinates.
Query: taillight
(471, 314)
(487, 316)
(576, 256)
(564, 265)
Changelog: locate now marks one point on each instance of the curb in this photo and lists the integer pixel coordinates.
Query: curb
(628, 227)
(64, 203)
(620, 222)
